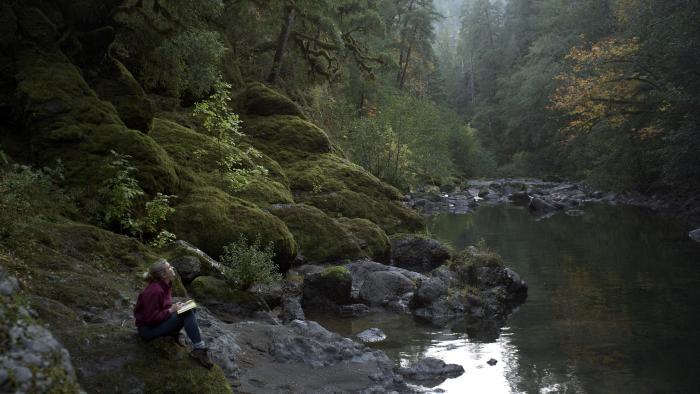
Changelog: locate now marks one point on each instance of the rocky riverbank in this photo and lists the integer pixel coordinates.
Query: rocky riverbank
(546, 198)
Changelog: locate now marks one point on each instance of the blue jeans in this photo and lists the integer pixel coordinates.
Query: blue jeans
(172, 326)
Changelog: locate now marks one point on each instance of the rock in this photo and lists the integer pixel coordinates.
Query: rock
(695, 235)
(291, 310)
(418, 254)
(37, 26)
(384, 286)
(491, 362)
(32, 360)
(574, 212)
(371, 335)
(540, 206)
(431, 368)
(188, 267)
(520, 198)
(353, 310)
(428, 292)
(362, 269)
(327, 289)
(181, 248)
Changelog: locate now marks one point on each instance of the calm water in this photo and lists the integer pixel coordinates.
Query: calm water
(612, 308)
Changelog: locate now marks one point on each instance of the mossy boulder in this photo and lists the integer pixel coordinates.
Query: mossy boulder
(320, 238)
(371, 238)
(199, 154)
(37, 27)
(286, 138)
(211, 289)
(8, 25)
(115, 358)
(390, 215)
(328, 289)
(258, 99)
(76, 264)
(32, 360)
(211, 219)
(67, 121)
(264, 192)
(325, 173)
(116, 85)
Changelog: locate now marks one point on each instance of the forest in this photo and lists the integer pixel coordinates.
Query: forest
(428, 92)
(312, 172)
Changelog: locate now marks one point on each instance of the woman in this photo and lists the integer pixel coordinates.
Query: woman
(156, 316)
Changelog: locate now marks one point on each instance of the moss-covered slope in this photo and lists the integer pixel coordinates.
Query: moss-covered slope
(83, 281)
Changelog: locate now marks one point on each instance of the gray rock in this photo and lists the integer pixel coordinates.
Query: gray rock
(384, 286)
(430, 369)
(428, 292)
(540, 206)
(188, 267)
(184, 248)
(371, 335)
(353, 310)
(291, 310)
(8, 284)
(32, 359)
(574, 212)
(492, 362)
(418, 254)
(695, 235)
(520, 198)
(326, 290)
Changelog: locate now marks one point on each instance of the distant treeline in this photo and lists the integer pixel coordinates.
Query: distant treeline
(423, 91)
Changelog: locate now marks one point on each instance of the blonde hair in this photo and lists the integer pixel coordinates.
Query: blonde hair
(156, 271)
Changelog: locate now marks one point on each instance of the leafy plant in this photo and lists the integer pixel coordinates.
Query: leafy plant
(163, 239)
(119, 192)
(157, 210)
(26, 194)
(235, 165)
(248, 263)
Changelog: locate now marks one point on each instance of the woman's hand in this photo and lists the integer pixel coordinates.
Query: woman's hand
(175, 307)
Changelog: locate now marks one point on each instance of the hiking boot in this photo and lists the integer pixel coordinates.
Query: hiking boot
(202, 355)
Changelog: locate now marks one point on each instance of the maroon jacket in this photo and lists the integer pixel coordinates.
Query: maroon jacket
(153, 305)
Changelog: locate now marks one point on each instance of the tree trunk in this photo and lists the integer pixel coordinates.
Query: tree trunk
(281, 45)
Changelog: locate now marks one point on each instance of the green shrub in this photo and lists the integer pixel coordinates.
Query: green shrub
(119, 192)
(247, 263)
(235, 165)
(476, 256)
(27, 194)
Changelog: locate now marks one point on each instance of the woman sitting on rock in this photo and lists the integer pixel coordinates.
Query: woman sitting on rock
(156, 316)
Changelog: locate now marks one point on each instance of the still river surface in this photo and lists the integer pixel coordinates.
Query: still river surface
(613, 306)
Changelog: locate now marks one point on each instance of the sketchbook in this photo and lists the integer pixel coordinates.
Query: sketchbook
(186, 306)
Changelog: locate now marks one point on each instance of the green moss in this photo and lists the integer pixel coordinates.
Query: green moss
(67, 121)
(210, 289)
(331, 173)
(118, 360)
(211, 219)
(476, 256)
(286, 138)
(258, 99)
(338, 272)
(199, 153)
(263, 192)
(372, 239)
(320, 238)
(77, 264)
(390, 215)
(116, 85)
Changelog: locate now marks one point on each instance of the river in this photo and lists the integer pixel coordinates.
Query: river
(612, 306)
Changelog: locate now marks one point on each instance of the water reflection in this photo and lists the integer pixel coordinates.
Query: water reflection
(611, 306)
